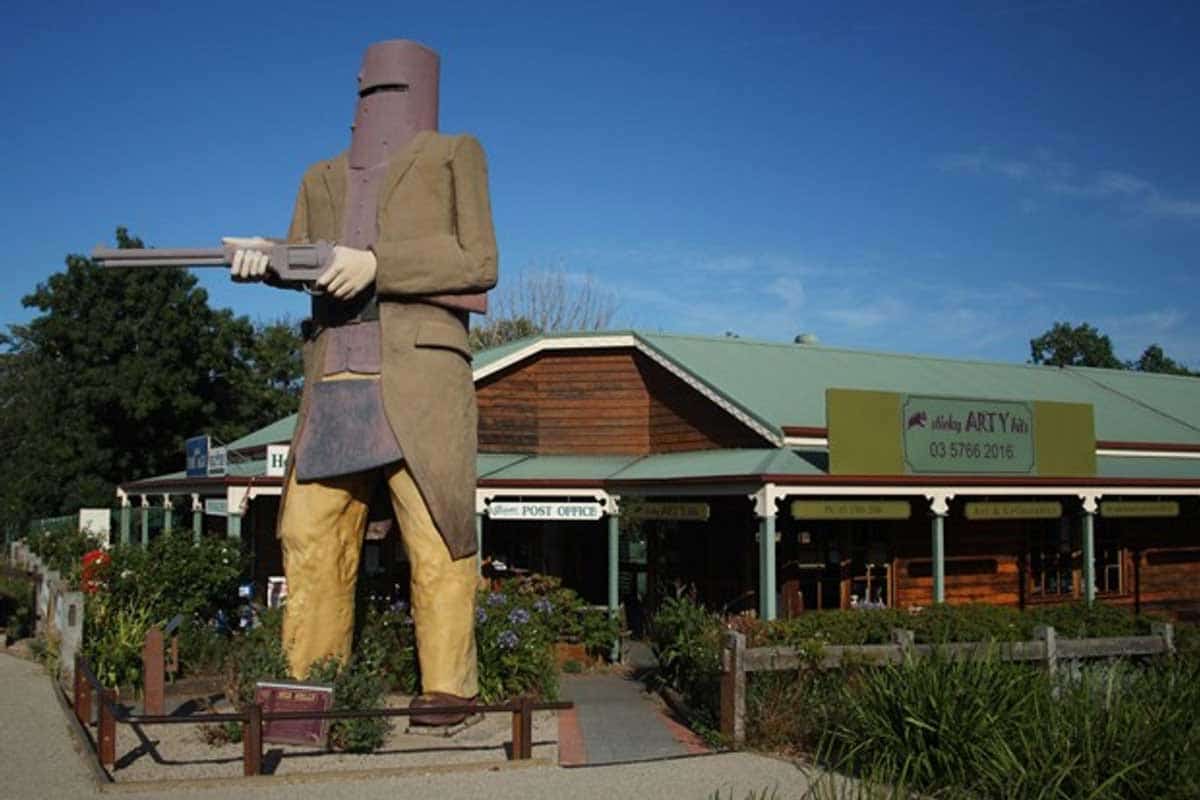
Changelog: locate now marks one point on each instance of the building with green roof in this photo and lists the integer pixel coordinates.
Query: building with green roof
(779, 478)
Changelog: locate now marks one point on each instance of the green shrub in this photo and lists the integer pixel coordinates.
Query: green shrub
(514, 636)
(686, 640)
(114, 632)
(255, 655)
(176, 575)
(357, 686)
(16, 606)
(61, 548)
(202, 648)
(987, 729)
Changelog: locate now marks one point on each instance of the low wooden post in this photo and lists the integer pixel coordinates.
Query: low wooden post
(153, 680)
(905, 640)
(733, 688)
(522, 729)
(107, 735)
(252, 741)
(1167, 631)
(83, 695)
(1047, 635)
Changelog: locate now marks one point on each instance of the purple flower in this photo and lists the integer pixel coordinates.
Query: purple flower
(399, 607)
(518, 616)
(543, 605)
(496, 599)
(480, 615)
(408, 620)
(508, 640)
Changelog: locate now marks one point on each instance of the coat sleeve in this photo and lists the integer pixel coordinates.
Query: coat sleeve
(461, 261)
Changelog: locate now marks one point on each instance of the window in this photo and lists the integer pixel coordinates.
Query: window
(1050, 568)
(1109, 557)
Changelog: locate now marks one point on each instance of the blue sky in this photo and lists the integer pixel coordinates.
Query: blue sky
(922, 177)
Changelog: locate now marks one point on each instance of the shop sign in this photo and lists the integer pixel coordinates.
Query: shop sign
(1032, 510)
(277, 456)
(216, 462)
(1139, 508)
(216, 507)
(944, 434)
(545, 511)
(886, 433)
(196, 452)
(684, 512)
(851, 509)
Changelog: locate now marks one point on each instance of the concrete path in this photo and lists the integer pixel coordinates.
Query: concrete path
(618, 722)
(37, 761)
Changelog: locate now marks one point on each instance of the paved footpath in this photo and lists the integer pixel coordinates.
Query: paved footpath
(37, 760)
(618, 722)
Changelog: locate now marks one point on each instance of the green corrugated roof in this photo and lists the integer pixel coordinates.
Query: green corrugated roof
(1176, 395)
(1148, 468)
(278, 432)
(582, 468)
(784, 384)
(237, 469)
(716, 463)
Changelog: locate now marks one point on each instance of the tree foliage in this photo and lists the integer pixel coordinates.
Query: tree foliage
(1082, 345)
(1079, 346)
(115, 371)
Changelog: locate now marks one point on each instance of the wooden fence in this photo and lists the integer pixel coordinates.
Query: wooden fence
(737, 660)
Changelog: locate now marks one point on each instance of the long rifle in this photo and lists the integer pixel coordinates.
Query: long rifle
(297, 264)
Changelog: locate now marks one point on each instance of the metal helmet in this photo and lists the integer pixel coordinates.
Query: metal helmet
(397, 99)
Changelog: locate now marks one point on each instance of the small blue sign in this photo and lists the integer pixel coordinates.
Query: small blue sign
(197, 456)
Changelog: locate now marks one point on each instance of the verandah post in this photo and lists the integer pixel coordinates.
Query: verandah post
(614, 566)
(1089, 549)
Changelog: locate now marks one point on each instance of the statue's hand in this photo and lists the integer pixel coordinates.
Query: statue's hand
(352, 271)
(250, 259)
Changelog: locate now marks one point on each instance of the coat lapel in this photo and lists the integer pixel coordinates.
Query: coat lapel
(400, 165)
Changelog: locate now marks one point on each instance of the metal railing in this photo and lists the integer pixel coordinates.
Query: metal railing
(87, 688)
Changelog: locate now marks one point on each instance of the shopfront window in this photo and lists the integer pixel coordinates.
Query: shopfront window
(1109, 557)
(1050, 559)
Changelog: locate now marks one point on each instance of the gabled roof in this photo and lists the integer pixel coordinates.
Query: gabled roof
(777, 385)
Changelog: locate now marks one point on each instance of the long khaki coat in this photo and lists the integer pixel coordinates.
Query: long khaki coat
(435, 237)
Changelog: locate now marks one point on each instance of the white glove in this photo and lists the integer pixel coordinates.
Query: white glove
(352, 271)
(250, 261)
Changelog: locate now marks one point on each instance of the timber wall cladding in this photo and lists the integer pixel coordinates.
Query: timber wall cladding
(599, 401)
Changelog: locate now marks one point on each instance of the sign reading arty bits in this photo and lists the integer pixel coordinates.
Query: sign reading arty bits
(944, 434)
(196, 449)
(885, 433)
(289, 696)
(545, 511)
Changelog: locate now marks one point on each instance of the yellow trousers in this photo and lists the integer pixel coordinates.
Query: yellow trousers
(321, 527)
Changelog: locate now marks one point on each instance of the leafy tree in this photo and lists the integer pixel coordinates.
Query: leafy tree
(1079, 346)
(1153, 359)
(118, 368)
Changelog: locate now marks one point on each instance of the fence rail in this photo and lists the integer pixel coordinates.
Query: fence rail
(737, 660)
(87, 688)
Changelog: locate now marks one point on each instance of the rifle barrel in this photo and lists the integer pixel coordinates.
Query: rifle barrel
(161, 257)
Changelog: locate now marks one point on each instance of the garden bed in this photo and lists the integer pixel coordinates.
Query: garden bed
(182, 751)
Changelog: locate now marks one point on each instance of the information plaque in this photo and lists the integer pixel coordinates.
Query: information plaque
(289, 696)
